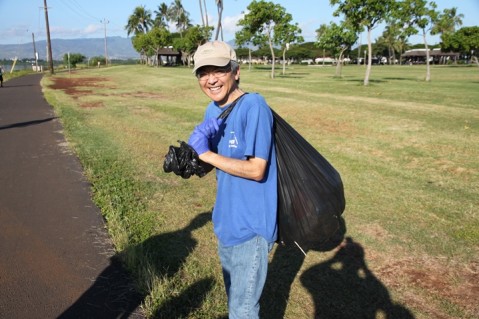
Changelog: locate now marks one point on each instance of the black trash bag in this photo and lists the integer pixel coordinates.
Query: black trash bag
(183, 161)
(310, 191)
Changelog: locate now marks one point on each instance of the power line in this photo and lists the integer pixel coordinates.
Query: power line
(78, 10)
(86, 12)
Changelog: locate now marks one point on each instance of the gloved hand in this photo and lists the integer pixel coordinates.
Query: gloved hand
(198, 141)
(210, 127)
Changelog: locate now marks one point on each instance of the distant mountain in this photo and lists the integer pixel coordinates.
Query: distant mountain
(117, 48)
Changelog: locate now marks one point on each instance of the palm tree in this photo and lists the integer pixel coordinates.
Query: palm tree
(178, 15)
(140, 21)
(161, 18)
(219, 4)
(447, 22)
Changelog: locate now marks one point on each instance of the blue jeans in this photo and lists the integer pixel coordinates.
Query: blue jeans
(244, 272)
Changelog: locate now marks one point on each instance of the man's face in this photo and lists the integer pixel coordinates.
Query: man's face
(218, 82)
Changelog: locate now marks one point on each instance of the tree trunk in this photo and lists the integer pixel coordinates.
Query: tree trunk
(201, 12)
(370, 51)
(428, 67)
(339, 65)
(273, 57)
(206, 13)
(284, 61)
(220, 26)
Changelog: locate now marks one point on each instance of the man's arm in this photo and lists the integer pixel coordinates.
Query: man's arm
(252, 168)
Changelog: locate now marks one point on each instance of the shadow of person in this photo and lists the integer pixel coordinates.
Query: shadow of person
(344, 287)
(166, 253)
(113, 295)
(282, 271)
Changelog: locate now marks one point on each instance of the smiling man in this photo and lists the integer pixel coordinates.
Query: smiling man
(242, 149)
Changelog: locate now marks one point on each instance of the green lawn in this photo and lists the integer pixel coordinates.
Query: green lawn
(407, 152)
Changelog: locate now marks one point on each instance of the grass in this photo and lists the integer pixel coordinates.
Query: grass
(407, 152)
(8, 76)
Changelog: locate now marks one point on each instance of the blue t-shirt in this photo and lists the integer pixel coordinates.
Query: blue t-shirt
(245, 208)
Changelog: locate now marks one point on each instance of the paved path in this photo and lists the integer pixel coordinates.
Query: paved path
(56, 260)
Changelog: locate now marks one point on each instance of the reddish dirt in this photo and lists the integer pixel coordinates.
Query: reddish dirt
(77, 87)
(73, 86)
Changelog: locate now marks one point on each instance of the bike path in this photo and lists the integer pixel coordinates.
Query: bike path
(56, 259)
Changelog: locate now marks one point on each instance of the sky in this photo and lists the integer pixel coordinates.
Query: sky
(70, 19)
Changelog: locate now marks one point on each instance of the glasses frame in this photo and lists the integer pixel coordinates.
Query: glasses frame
(219, 72)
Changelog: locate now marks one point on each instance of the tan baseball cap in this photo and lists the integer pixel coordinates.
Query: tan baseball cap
(217, 53)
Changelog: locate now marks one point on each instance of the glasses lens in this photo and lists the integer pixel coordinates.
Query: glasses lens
(217, 73)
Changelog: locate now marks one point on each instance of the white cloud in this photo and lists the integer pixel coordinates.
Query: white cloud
(93, 28)
(229, 24)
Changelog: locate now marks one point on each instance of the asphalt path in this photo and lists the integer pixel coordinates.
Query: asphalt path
(56, 260)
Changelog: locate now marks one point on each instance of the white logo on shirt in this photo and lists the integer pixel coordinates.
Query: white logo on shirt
(233, 141)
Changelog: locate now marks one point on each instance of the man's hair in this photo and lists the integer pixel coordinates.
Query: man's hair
(234, 68)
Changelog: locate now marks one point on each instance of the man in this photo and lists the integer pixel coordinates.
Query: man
(242, 149)
(1, 76)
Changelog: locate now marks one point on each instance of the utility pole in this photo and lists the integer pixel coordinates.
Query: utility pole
(105, 22)
(50, 60)
(35, 52)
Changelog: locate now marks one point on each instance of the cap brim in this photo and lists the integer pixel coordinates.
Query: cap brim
(211, 61)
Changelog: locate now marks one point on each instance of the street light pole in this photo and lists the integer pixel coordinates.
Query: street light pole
(35, 54)
(105, 22)
(50, 56)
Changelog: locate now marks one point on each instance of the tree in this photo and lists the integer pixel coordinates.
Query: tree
(418, 14)
(158, 39)
(178, 15)
(465, 41)
(140, 21)
(194, 37)
(364, 13)
(446, 22)
(269, 24)
(337, 39)
(74, 59)
(142, 45)
(288, 34)
(161, 16)
(392, 37)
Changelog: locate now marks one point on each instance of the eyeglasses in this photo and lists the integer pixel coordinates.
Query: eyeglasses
(202, 75)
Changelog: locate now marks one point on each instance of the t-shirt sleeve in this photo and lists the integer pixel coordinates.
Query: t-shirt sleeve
(259, 128)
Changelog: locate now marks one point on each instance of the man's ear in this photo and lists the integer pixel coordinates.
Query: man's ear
(237, 75)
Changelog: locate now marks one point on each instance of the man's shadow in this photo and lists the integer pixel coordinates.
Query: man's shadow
(282, 271)
(344, 287)
(115, 295)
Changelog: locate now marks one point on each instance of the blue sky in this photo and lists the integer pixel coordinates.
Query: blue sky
(71, 19)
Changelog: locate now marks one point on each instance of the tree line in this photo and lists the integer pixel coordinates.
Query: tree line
(269, 27)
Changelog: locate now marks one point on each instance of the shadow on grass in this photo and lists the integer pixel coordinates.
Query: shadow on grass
(341, 287)
(344, 287)
(292, 75)
(361, 81)
(282, 271)
(113, 294)
(399, 79)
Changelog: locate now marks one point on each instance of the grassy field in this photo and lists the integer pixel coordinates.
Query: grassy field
(407, 152)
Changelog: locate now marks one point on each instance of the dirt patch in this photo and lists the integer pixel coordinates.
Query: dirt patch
(458, 283)
(75, 86)
(91, 104)
(143, 95)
